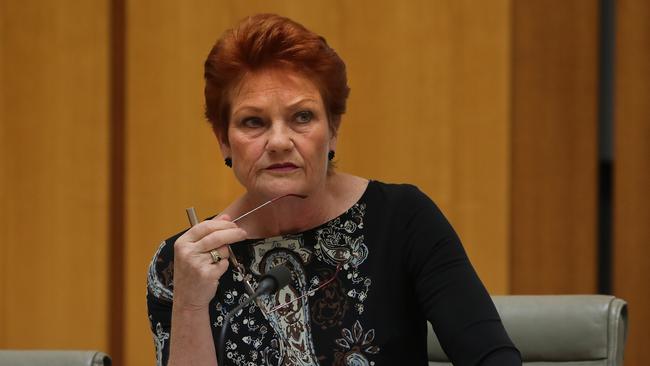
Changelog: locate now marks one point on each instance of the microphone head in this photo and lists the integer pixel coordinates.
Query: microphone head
(276, 277)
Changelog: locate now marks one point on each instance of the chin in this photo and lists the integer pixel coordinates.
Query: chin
(281, 187)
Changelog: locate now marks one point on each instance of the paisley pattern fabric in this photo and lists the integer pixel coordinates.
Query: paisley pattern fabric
(286, 336)
(390, 263)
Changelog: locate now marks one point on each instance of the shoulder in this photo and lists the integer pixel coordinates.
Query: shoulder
(160, 276)
(404, 207)
(399, 196)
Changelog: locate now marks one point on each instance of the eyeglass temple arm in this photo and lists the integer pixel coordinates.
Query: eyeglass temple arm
(191, 215)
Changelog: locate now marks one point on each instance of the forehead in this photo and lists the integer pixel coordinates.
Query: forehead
(273, 85)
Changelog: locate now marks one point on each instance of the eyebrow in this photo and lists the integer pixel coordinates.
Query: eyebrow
(253, 108)
(301, 101)
(246, 108)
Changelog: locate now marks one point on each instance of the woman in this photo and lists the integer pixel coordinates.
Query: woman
(370, 262)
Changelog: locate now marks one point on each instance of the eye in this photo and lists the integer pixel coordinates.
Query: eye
(252, 122)
(304, 116)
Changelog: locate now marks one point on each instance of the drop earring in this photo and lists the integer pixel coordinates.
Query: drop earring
(228, 162)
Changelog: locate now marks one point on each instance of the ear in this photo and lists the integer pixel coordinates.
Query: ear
(224, 146)
(334, 133)
(333, 140)
(225, 150)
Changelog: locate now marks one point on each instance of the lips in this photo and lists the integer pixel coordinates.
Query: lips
(282, 166)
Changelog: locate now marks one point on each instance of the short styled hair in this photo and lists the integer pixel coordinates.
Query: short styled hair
(271, 41)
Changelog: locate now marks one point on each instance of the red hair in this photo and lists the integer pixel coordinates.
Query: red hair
(269, 41)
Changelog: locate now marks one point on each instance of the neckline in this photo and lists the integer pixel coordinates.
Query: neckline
(361, 199)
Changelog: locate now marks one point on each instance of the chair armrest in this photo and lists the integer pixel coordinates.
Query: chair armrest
(53, 358)
(559, 328)
(617, 331)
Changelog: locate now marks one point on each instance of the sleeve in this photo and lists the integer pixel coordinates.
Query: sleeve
(449, 291)
(502, 356)
(159, 302)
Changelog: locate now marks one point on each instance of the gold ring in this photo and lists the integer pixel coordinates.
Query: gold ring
(215, 256)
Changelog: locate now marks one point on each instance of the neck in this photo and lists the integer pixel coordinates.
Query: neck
(291, 214)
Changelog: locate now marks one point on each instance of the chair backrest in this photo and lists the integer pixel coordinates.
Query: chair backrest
(562, 330)
(53, 358)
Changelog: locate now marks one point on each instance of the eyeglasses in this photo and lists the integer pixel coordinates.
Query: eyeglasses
(309, 292)
(247, 278)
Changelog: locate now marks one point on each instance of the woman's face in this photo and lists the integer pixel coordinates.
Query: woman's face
(278, 135)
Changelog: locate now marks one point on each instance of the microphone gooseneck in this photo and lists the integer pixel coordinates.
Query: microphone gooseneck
(273, 280)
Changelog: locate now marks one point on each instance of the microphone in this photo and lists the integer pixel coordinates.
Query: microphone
(272, 281)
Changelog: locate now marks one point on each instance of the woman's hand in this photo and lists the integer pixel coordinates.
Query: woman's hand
(196, 276)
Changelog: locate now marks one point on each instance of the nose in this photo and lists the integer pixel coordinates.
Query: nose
(279, 138)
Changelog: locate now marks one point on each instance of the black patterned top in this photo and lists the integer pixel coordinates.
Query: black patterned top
(400, 264)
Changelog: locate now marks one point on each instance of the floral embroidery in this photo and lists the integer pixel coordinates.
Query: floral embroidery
(230, 296)
(355, 346)
(335, 244)
(328, 310)
(162, 290)
(159, 338)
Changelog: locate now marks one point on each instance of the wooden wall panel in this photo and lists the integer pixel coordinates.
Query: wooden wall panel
(554, 146)
(429, 105)
(172, 159)
(3, 180)
(632, 173)
(54, 171)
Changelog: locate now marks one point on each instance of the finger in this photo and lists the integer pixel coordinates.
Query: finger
(221, 268)
(200, 230)
(219, 238)
(223, 252)
(214, 271)
(224, 217)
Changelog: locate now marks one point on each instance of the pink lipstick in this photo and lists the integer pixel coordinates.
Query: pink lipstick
(282, 167)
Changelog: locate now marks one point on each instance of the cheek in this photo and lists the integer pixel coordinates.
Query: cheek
(242, 146)
(246, 152)
(318, 150)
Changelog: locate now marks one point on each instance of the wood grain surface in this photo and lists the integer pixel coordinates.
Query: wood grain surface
(554, 147)
(632, 173)
(54, 171)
